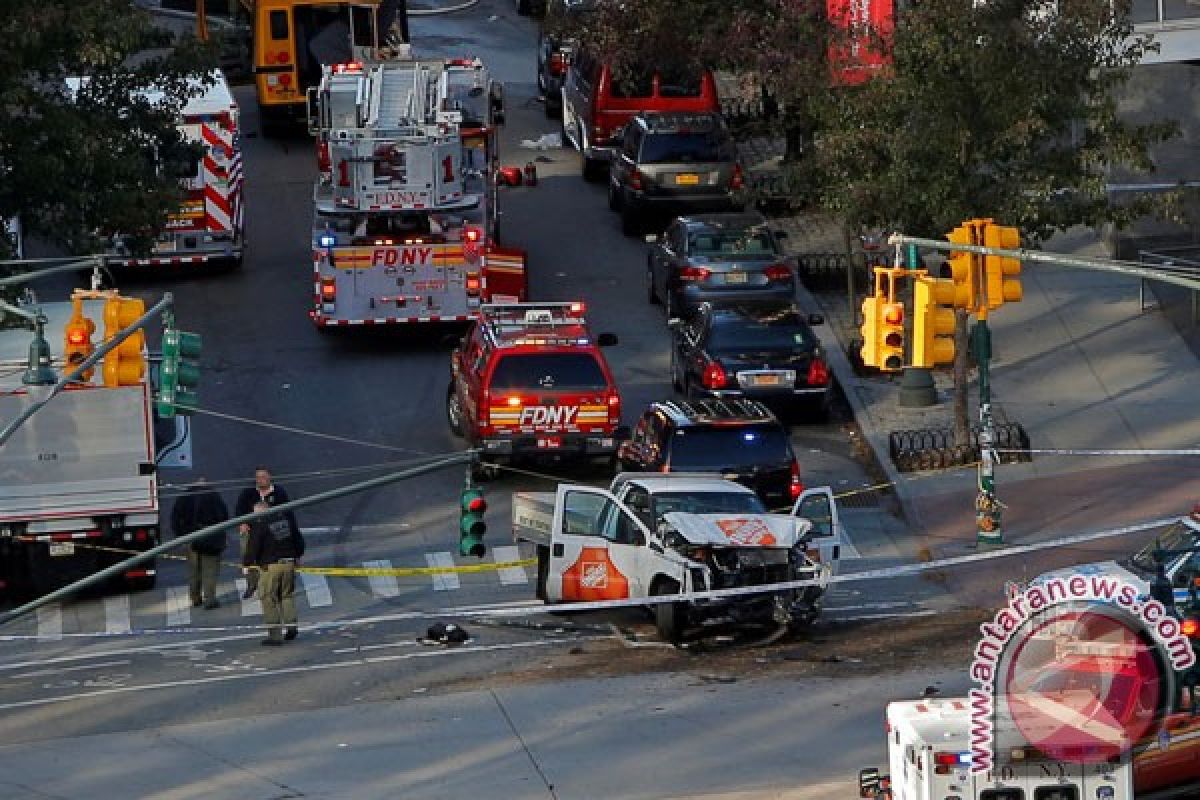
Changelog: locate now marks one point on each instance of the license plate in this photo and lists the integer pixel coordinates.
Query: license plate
(62, 549)
(765, 380)
(549, 442)
(687, 179)
(736, 277)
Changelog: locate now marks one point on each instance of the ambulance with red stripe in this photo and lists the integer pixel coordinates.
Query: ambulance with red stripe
(529, 379)
(210, 222)
(405, 227)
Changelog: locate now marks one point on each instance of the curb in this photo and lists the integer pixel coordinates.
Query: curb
(431, 12)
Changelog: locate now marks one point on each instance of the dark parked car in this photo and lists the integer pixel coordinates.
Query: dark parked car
(671, 163)
(741, 440)
(759, 351)
(731, 257)
(556, 46)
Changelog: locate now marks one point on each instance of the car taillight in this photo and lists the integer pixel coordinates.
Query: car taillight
(818, 373)
(1190, 628)
(795, 488)
(695, 274)
(614, 407)
(558, 64)
(322, 156)
(778, 272)
(328, 290)
(473, 284)
(635, 180)
(736, 181)
(472, 234)
(714, 376)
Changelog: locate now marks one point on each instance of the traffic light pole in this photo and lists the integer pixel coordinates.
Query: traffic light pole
(83, 366)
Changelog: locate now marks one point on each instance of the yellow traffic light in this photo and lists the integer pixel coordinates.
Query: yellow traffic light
(125, 365)
(891, 333)
(933, 322)
(1001, 285)
(871, 308)
(77, 339)
(965, 267)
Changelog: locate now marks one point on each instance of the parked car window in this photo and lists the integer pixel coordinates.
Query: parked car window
(744, 333)
(548, 371)
(735, 446)
(686, 148)
(730, 243)
(677, 81)
(634, 81)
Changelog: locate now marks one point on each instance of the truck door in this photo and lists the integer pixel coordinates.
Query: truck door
(828, 539)
(596, 548)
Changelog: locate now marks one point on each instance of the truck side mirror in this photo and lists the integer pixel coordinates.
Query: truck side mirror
(606, 339)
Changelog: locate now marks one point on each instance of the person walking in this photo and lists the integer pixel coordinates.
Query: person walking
(201, 507)
(274, 546)
(264, 490)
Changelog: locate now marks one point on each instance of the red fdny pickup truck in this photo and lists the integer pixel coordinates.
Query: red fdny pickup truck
(529, 380)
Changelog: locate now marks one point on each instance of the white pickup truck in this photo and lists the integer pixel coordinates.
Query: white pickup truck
(654, 534)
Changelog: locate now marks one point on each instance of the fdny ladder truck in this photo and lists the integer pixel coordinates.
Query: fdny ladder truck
(404, 224)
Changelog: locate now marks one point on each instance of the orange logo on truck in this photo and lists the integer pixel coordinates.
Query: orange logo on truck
(593, 577)
(747, 531)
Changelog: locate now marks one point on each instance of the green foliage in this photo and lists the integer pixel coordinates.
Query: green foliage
(1005, 110)
(77, 166)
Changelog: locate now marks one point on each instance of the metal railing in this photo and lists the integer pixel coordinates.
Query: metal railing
(1182, 261)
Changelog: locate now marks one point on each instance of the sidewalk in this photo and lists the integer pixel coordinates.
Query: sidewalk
(1077, 363)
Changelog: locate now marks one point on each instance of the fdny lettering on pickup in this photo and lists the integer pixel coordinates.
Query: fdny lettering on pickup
(549, 415)
(402, 256)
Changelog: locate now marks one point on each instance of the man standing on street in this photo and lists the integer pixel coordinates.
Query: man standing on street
(264, 490)
(201, 507)
(274, 546)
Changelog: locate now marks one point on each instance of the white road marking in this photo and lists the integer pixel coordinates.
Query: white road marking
(116, 614)
(873, 606)
(357, 662)
(179, 606)
(382, 585)
(446, 580)
(509, 576)
(316, 587)
(49, 622)
(251, 607)
(43, 672)
(365, 647)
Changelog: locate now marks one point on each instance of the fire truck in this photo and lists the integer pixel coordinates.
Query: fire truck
(77, 479)
(404, 228)
(209, 225)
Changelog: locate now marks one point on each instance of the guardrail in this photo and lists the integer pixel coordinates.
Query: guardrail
(1180, 261)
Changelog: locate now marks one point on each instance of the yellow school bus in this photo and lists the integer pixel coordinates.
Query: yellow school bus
(293, 38)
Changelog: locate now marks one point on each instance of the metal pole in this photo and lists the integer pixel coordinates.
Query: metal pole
(83, 366)
(987, 507)
(332, 494)
(70, 266)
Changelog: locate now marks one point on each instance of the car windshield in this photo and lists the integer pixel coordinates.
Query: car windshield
(728, 447)
(741, 334)
(1177, 537)
(752, 242)
(684, 148)
(707, 503)
(545, 371)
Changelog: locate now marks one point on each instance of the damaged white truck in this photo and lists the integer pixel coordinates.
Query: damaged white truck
(654, 534)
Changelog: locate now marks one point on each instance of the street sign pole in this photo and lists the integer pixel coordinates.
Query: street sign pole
(987, 507)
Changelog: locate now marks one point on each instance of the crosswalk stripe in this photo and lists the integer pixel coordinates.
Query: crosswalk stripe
(251, 607)
(509, 576)
(317, 589)
(116, 614)
(446, 580)
(179, 606)
(49, 621)
(382, 585)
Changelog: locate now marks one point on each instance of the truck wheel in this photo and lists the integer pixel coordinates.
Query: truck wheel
(543, 571)
(669, 618)
(454, 411)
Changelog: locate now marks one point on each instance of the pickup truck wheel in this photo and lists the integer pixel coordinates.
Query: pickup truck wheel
(454, 411)
(669, 618)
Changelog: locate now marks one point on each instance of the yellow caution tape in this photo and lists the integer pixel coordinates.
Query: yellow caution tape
(369, 572)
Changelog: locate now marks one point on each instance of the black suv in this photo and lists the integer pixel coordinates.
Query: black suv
(759, 351)
(741, 440)
(672, 164)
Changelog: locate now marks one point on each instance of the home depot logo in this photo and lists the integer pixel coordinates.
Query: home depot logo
(747, 531)
(593, 575)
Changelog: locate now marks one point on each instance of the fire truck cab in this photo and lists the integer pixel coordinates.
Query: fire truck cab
(529, 379)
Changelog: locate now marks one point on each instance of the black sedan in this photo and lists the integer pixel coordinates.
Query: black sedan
(727, 256)
(756, 351)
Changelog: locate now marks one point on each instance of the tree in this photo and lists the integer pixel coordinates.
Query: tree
(1003, 109)
(107, 158)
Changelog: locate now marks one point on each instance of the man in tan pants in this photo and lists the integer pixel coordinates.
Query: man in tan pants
(274, 547)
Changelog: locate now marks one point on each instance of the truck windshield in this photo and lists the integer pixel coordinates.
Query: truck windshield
(738, 447)
(548, 372)
(1179, 536)
(707, 503)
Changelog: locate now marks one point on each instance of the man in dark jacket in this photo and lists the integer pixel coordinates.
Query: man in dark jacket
(199, 508)
(274, 546)
(264, 490)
